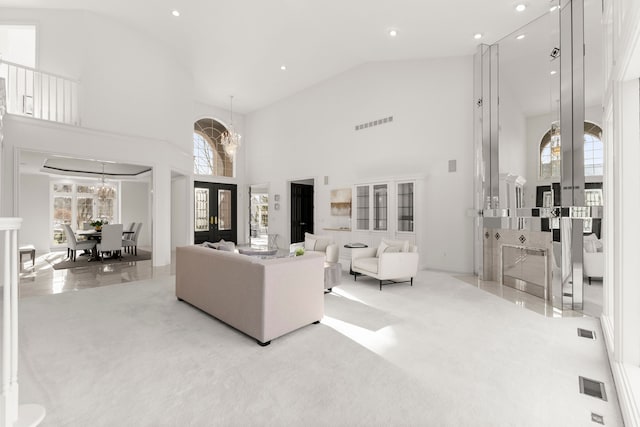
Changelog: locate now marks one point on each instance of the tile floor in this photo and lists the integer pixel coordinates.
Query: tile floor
(42, 279)
(592, 298)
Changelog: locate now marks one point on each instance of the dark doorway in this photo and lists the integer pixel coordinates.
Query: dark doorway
(301, 211)
(216, 212)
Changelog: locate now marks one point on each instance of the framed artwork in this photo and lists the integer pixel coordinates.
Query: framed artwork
(341, 202)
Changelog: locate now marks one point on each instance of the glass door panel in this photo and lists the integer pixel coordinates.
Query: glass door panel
(380, 212)
(362, 207)
(405, 207)
(201, 221)
(225, 219)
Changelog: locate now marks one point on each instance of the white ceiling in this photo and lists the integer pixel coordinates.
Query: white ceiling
(237, 47)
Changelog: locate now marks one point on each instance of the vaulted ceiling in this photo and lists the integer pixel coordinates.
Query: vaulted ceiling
(249, 40)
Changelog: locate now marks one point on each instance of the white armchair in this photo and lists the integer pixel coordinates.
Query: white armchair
(593, 257)
(324, 244)
(394, 261)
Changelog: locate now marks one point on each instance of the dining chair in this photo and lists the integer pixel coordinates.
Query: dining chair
(111, 240)
(74, 245)
(132, 244)
(128, 235)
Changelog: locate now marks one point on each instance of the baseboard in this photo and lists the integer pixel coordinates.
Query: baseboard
(626, 379)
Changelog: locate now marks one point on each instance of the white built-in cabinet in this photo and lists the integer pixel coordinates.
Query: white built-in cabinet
(380, 210)
(387, 207)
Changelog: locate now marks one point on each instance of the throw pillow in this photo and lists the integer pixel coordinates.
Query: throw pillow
(383, 246)
(309, 244)
(321, 244)
(226, 247)
(391, 249)
(403, 245)
(589, 246)
(599, 245)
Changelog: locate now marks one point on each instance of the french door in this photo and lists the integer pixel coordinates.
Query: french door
(216, 211)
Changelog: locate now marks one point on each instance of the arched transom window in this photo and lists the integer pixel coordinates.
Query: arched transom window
(550, 152)
(209, 158)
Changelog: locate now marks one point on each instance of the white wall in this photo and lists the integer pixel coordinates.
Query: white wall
(311, 135)
(180, 203)
(35, 209)
(134, 207)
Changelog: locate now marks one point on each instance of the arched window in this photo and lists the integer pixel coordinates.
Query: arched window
(209, 158)
(550, 152)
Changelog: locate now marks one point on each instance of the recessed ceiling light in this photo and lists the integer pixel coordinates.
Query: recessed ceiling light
(520, 37)
(553, 72)
(393, 33)
(477, 36)
(175, 13)
(283, 67)
(553, 8)
(521, 7)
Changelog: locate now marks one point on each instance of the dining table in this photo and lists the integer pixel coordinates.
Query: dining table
(93, 234)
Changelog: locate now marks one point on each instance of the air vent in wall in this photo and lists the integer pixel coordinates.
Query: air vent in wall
(374, 123)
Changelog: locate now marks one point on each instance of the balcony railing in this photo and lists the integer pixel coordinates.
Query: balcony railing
(34, 93)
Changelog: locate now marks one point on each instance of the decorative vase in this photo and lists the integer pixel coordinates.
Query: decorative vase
(98, 228)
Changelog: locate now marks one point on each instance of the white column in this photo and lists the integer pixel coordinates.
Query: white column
(161, 225)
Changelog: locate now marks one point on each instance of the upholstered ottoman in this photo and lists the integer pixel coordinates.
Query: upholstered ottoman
(332, 274)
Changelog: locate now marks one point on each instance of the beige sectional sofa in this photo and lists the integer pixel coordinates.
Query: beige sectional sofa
(264, 298)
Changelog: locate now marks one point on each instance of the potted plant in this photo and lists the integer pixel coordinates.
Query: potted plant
(98, 223)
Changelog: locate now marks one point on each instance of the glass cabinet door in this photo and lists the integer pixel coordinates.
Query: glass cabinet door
(362, 207)
(405, 206)
(380, 202)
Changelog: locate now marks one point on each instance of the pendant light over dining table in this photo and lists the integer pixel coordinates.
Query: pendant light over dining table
(230, 139)
(104, 191)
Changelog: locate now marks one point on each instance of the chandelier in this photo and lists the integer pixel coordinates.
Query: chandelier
(230, 139)
(104, 191)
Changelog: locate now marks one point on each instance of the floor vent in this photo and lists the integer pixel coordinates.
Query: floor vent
(592, 388)
(585, 333)
(597, 418)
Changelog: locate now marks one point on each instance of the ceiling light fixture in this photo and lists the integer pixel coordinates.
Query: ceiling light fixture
(520, 37)
(477, 36)
(283, 67)
(521, 7)
(230, 140)
(393, 33)
(175, 13)
(104, 191)
(553, 72)
(553, 8)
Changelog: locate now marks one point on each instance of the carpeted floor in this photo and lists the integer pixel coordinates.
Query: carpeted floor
(84, 261)
(440, 353)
